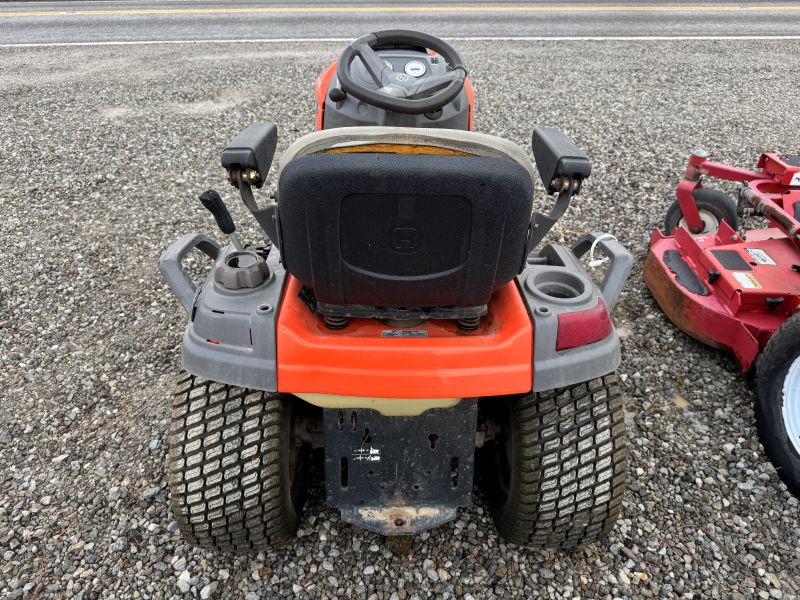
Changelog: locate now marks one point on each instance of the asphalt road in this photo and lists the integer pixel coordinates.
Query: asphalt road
(101, 21)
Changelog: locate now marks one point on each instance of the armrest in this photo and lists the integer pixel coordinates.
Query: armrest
(557, 157)
(252, 152)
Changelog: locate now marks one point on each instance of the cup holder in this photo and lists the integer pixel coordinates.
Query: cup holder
(559, 286)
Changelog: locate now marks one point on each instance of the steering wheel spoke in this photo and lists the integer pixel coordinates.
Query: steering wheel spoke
(372, 62)
(434, 83)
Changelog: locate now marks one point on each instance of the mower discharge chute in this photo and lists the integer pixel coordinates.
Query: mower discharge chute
(401, 316)
(739, 290)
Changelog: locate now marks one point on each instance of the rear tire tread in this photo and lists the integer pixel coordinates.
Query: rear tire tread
(771, 370)
(228, 493)
(552, 504)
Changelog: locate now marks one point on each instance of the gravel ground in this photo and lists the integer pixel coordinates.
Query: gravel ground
(103, 152)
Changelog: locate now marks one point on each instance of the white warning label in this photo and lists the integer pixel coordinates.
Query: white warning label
(366, 454)
(747, 281)
(760, 256)
(795, 180)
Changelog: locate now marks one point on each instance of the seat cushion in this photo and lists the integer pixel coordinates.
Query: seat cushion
(469, 142)
(403, 230)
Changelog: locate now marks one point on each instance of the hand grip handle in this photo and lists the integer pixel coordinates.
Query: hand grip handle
(212, 201)
(171, 267)
(619, 270)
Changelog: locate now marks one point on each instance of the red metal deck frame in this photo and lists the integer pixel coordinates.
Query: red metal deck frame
(745, 305)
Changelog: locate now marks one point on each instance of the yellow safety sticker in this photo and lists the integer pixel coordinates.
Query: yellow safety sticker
(747, 281)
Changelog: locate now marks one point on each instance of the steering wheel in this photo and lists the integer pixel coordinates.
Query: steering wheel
(399, 92)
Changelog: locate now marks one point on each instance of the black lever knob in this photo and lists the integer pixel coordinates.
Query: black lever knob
(212, 201)
(337, 94)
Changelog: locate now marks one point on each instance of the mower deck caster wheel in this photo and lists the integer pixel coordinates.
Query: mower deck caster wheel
(777, 404)
(555, 475)
(235, 470)
(713, 206)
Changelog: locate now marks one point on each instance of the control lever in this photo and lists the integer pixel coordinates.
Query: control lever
(212, 201)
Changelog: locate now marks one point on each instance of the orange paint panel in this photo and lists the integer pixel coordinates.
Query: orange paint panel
(470, 102)
(320, 91)
(446, 363)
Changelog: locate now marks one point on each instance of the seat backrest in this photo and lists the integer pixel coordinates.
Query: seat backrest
(399, 220)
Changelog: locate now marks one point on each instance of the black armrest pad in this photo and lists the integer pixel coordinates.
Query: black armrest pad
(254, 148)
(556, 156)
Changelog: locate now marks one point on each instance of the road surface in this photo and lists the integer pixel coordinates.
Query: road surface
(198, 20)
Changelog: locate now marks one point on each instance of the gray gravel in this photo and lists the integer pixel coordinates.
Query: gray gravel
(101, 156)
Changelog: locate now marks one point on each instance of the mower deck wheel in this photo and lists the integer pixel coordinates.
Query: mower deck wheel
(235, 471)
(777, 403)
(713, 206)
(555, 476)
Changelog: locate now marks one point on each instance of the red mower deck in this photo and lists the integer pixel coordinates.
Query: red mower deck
(739, 290)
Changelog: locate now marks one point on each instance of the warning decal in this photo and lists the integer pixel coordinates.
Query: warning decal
(404, 333)
(760, 256)
(747, 281)
(366, 454)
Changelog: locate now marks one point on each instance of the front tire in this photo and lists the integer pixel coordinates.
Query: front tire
(777, 405)
(713, 206)
(555, 475)
(235, 471)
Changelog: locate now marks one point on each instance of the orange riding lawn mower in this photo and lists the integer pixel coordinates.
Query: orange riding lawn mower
(403, 319)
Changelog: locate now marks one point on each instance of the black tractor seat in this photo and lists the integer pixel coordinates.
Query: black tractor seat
(404, 225)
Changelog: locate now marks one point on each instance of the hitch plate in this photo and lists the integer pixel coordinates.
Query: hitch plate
(400, 475)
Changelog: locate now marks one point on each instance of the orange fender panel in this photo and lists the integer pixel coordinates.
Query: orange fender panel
(320, 91)
(360, 360)
(471, 102)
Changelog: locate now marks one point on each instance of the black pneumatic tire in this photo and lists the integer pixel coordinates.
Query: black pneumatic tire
(556, 475)
(772, 368)
(235, 472)
(713, 201)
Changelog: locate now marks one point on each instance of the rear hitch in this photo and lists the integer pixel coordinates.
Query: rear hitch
(398, 475)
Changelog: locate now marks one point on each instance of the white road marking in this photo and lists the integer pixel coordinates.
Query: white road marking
(495, 8)
(649, 38)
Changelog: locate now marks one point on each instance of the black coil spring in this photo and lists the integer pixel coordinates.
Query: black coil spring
(335, 322)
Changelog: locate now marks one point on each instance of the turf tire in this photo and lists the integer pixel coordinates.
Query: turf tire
(772, 368)
(235, 472)
(556, 474)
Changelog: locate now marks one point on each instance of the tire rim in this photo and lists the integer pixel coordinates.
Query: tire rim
(791, 404)
(710, 222)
